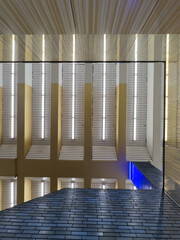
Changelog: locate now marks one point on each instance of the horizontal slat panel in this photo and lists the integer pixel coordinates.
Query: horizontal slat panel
(98, 183)
(6, 108)
(37, 103)
(66, 182)
(104, 153)
(110, 104)
(137, 154)
(6, 193)
(67, 105)
(36, 188)
(39, 152)
(8, 151)
(72, 153)
(141, 112)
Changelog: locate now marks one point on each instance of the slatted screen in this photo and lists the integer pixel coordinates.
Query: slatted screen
(110, 109)
(36, 188)
(67, 182)
(6, 112)
(37, 103)
(6, 193)
(67, 105)
(141, 111)
(98, 183)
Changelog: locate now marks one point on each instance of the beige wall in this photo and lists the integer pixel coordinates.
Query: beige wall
(27, 118)
(1, 115)
(56, 107)
(27, 189)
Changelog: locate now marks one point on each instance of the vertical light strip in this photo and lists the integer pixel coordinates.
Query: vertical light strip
(43, 87)
(12, 193)
(104, 186)
(135, 88)
(167, 82)
(72, 184)
(104, 91)
(42, 188)
(12, 86)
(73, 87)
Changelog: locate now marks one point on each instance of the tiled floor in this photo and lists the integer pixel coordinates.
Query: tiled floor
(94, 214)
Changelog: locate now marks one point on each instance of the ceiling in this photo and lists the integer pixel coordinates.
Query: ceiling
(89, 16)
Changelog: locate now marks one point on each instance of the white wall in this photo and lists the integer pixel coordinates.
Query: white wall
(155, 113)
(150, 104)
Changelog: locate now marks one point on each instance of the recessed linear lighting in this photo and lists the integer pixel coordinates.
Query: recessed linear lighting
(12, 86)
(104, 91)
(135, 87)
(167, 82)
(43, 88)
(72, 184)
(42, 188)
(73, 87)
(12, 193)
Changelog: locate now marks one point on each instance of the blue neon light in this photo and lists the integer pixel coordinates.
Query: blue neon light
(139, 180)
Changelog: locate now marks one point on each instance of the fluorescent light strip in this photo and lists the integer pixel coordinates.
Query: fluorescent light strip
(12, 86)
(135, 88)
(72, 184)
(104, 91)
(12, 193)
(42, 188)
(43, 88)
(167, 82)
(73, 87)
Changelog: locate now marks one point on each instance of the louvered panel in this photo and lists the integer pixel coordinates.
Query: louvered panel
(6, 109)
(72, 153)
(141, 104)
(6, 193)
(104, 153)
(110, 109)
(67, 105)
(39, 152)
(98, 183)
(173, 131)
(137, 154)
(8, 151)
(37, 103)
(36, 188)
(162, 111)
(66, 182)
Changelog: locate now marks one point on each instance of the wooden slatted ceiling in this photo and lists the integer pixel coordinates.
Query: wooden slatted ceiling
(89, 16)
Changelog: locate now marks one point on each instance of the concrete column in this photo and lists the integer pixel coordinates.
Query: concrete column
(20, 189)
(88, 113)
(157, 117)
(121, 122)
(88, 125)
(1, 92)
(56, 108)
(24, 123)
(154, 102)
(53, 184)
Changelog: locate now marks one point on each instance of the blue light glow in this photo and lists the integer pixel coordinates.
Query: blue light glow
(139, 180)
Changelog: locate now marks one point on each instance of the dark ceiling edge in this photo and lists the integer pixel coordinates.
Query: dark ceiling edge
(160, 61)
